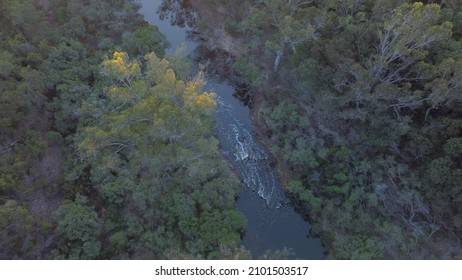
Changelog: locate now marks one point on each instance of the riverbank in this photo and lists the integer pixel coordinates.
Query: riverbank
(213, 15)
(372, 195)
(221, 41)
(273, 223)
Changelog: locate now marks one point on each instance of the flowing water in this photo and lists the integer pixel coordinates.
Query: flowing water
(272, 223)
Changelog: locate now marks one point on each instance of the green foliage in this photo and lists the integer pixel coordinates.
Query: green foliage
(49, 62)
(55, 137)
(363, 104)
(362, 100)
(30, 142)
(203, 25)
(306, 195)
(76, 221)
(24, 17)
(180, 64)
(287, 22)
(79, 229)
(19, 230)
(247, 68)
(231, 26)
(151, 157)
(145, 39)
(360, 248)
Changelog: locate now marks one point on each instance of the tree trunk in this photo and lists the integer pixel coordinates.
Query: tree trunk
(277, 61)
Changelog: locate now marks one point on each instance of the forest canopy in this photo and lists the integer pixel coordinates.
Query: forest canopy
(362, 101)
(106, 147)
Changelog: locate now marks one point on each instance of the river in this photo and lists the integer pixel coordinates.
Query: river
(272, 222)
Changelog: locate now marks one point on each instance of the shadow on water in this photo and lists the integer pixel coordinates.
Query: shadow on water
(272, 222)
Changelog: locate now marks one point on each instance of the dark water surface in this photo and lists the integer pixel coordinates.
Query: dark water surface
(272, 223)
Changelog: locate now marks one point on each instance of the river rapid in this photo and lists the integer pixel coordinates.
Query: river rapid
(272, 222)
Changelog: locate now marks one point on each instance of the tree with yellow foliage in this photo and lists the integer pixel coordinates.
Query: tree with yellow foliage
(121, 69)
(152, 158)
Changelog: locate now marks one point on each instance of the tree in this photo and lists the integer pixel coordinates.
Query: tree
(365, 114)
(151, 156)
(18, 230)
(288, 19)
(404, 40)
(79, 227)
(145, 39)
